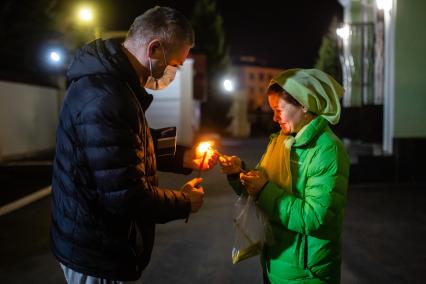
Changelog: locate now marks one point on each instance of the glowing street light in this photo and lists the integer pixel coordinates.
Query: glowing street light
(55, 57)
(228, 85)
(85, 14)
(385, 5)
(343, 32)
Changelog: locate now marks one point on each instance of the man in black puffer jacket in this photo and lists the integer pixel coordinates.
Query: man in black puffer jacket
(105, 199)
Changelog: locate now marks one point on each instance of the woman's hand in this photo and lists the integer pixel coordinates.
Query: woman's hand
(230, 164)
(254, 181)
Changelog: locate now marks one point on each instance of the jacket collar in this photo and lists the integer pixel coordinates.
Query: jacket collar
(128, 73)
(312, 130)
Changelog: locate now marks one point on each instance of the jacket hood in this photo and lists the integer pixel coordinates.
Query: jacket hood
(101, 57)
(106, 57)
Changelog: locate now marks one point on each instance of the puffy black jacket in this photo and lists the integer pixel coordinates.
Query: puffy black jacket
(105, 194)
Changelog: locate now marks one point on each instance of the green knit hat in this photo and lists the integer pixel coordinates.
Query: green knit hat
(313, 89)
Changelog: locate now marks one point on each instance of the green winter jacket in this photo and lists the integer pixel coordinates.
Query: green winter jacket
(307, 224)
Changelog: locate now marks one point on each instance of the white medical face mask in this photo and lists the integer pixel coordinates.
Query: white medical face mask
(165, 80)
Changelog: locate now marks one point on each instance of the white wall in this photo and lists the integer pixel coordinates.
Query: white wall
(174, 106)
(28, 118)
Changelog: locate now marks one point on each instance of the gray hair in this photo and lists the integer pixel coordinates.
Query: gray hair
(161, 22)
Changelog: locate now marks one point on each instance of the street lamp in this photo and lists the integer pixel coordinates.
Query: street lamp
(386, 19)
(85, 14)
(343, 32)
(385, 5)
(238, 113)
(55, 57)
(228, 85)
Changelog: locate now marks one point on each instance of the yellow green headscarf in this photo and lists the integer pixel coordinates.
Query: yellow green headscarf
(313, 89)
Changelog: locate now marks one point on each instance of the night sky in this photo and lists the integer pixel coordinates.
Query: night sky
(283, 33)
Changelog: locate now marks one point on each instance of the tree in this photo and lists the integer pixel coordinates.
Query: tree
(210, 41)
(210, 35)
(328, 59)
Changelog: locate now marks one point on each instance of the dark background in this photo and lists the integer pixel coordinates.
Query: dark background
(283, 33)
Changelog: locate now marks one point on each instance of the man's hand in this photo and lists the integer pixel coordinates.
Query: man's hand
(230, 164)
(192, 160)
(254, 181)
(194, 192)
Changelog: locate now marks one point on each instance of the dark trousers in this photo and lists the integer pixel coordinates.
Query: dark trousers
(265, 277)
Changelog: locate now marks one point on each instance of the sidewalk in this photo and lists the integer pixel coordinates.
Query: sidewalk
(383, 236)
(21, 179)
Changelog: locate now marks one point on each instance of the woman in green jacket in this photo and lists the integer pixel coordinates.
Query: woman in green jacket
(301, 181)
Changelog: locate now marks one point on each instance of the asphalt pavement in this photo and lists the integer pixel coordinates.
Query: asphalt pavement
(383, 235)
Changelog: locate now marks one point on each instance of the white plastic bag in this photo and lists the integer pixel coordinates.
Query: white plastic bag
(252, 229)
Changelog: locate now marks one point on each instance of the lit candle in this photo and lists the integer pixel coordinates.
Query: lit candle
(203, 149)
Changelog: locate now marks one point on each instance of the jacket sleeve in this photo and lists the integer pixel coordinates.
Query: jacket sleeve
(324, 200)
(174, 163)
(235, 183)
(107, 128)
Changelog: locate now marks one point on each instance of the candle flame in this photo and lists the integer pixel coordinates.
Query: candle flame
(203, 147)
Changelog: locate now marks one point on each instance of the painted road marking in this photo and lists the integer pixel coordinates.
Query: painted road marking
(24, 201)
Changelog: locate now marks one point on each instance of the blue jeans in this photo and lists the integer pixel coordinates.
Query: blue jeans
(74, 277)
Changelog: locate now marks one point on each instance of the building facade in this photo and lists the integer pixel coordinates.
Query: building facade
(253, 80)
